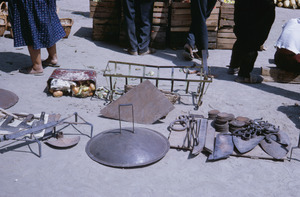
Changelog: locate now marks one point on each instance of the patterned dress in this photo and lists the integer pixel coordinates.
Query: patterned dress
(35, 23)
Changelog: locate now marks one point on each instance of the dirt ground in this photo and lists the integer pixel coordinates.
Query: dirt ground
(71, 172)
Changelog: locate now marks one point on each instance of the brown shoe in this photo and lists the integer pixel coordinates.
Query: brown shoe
(132, 52)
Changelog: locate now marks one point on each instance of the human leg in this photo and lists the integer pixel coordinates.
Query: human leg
(52, 57)
(35, 55)
(129, 16)
(145, 12)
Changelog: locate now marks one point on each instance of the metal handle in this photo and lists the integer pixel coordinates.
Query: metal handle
(124, 105)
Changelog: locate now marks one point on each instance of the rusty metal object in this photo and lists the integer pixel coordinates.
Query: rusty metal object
(200, 136)
(124, 72)
(276, 145)
(149, 105)
(244, 146)
(62, 142)
(223, 147)
(7, 99)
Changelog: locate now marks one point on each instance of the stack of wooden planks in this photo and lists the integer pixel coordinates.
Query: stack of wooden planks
(159, 24)
(106, 19)
(180, 22)
(226, 37)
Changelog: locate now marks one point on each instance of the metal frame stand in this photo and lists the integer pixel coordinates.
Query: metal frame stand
(50, 131)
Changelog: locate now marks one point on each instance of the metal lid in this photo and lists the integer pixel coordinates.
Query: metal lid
(7, 99)
(127, 148)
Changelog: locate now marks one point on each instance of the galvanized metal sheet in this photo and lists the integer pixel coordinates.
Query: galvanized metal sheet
(148, 102)
(277, 148)
(244, 146)
(7, 99)
(125, 148)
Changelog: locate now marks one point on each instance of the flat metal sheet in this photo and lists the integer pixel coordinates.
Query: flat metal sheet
(7, 99)
(148, 102)
(125, 148)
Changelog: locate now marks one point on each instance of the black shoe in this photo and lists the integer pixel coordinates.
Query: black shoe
(251, 79)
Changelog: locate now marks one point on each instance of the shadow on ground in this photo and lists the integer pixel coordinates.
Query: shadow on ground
(13, 61)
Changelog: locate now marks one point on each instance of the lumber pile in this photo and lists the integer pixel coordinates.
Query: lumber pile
(106, 19)
(180, 21)
(160, 24)
(226, 37)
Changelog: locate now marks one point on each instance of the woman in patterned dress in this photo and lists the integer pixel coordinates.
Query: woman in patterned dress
(36, 25)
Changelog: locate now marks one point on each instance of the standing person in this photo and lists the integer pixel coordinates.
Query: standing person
(197, 38)
(253, 21)
(287, 56)
(36, 25)
(138, 20)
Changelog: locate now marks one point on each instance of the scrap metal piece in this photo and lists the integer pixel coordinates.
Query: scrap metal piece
(244, 146)
(277, 146)
(201, 131)
(149, 103)
(7, 99)
(63, 142)
(210, 137)
(127, 147)
(223, 147)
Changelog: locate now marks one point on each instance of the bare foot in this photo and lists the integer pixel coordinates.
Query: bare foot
(30, 70)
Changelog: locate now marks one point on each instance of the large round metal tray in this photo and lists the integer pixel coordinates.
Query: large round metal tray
(7, 99)
(125, 148)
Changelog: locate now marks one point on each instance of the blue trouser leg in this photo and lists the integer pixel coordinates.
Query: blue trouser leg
(146, 9)
(198, 35)
(129, 15)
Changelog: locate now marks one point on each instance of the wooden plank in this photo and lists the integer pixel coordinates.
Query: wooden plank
(226, 30)
(179, 29)
(181, 11)
(274, 74)
(224, 46)
(225, 41)
(159, 20)
(181, 17)
(165, 10)
(179, 5)
(176, 23)
(160, 15)
(227, 16)
(226, 23)
(226, 35)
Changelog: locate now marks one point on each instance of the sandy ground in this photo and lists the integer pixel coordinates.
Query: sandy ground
(71, 172)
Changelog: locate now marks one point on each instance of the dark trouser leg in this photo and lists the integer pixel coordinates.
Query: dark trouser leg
(198, 36)
(252, 26)
(129, 15)
(146, 9)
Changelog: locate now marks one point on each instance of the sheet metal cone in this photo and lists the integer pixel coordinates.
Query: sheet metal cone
(275, 149)
(244, 146)
(126, 148)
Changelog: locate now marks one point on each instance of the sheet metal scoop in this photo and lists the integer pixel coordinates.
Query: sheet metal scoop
(127, 147)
